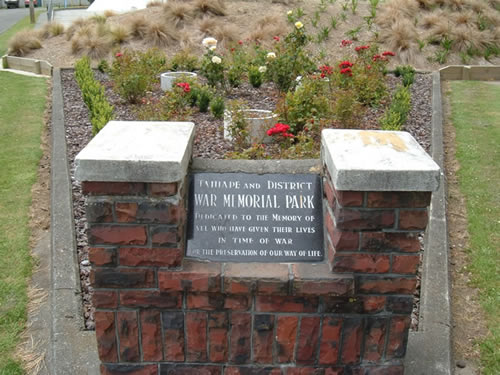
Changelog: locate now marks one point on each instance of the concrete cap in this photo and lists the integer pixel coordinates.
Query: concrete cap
(137, 151)
(377, 160)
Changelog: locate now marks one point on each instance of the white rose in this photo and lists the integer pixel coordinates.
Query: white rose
(209, 42)
(271, 56)
(213, 48)
(216, 60)
(262, 69)
(289, 13)
(299, 25)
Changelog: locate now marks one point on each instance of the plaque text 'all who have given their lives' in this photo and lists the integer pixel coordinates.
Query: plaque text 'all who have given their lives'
(239, 217)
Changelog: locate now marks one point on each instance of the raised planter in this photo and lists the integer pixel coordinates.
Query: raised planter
(167, 79)
(258, 122)
(27, 65)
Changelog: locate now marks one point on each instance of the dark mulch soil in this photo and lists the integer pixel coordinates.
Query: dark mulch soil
(208, 143)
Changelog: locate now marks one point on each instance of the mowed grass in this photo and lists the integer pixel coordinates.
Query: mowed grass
(22, 105)
(476, 117)
(21, 25)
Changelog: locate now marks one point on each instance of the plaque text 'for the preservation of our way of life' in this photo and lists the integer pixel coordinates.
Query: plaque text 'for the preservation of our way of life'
(239, 217)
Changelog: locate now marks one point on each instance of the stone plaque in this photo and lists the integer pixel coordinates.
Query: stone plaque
(239, 217)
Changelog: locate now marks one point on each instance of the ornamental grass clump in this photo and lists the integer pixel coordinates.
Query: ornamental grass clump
(24, 42)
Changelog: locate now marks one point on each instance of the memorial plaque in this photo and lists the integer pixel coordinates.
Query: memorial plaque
(239, 217)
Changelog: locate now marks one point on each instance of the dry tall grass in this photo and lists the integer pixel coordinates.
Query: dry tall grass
(401, 38)
(77, 25)
(214, 7)
(119, 34)
(178, 12)
(24, 42)
(160, 35)
(207, 25)
(138, 26)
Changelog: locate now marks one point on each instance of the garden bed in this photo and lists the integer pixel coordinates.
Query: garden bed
(209, 141)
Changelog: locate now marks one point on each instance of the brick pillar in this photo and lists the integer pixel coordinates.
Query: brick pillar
(134, 177)
(377, 188)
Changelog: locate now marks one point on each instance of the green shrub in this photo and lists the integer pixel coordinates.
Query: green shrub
(103, 66)
(255, 76)
(407, 72)
(397, 114)
(134, 72)
(184, 61)
(217, 107)
(101, 112)
(204, 98)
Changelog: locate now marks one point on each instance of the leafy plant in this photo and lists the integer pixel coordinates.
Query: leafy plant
(407, 72)
(395, 117)
(237, 126)
(184, 61)
(204, 98)
(217, 107)
(101, 112)
(354, 6)
(333, 22)
(103, 66)
(255, 76)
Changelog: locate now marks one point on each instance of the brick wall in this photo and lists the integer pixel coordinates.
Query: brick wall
(158, 313)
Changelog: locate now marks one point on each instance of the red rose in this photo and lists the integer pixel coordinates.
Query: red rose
(119, 54)
(346, 71)
(276, 38)
(388, 53)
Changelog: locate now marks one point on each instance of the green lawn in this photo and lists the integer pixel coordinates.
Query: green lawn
(22, 104)
(23, 24)
(476, 117)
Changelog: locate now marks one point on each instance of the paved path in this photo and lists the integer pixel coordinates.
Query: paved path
(9, 17)
(67, 16)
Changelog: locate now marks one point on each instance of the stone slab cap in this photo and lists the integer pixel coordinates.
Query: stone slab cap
(137, 151)
(377, 160)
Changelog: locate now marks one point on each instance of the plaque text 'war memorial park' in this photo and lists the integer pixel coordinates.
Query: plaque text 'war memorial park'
(240, 217)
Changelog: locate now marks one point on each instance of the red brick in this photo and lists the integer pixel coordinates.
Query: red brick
(354, 305)
(164, 235)
(344, 240)
(195, 277)
(413, 219)
(335, 287)
(150, 299)
(398, 199)
(400, 305)
(113, 188)
(196, 331)
(398, 337)
(126, 212)
(330, 341)
(106, 338)
(100, 256)
(173, 335)
(330, 252)
(109, 369)
(286, 304)
(181, 369)
(233, 370)
(263, 278)
(305, 371)
(376, 330)
(151, 340)
(405, 263)
(123, 278)
(286, 335)
(218, 335)
(328, 190)
(163, 190)
(99, 212)
(263, 329)
(128, 334)
(386, 285)
(117, 235)
(308, 340)
(158, 212)
(349, 198)
(160, 257)
(352, 338)
(359, 219)
(388, 242)
(217, 301)
(104, 299)
(363, 263)
(337, 371)
(373, 304)
(240, 341)
(383, 370)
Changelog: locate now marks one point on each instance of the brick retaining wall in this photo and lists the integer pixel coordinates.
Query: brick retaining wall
(160, 313)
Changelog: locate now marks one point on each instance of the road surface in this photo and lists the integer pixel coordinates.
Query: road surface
(9, 17)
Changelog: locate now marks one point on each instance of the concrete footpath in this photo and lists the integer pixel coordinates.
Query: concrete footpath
(72, 350)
